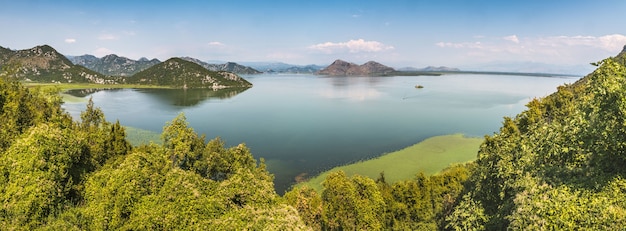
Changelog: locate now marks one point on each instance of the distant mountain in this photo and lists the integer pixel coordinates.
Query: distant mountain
(278, 67)
(229, 66)
(343, 68)
(179, 73)
(113, 65)
(45, 64)
(429, 68)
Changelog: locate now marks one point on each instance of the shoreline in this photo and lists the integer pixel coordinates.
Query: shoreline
(429, 156)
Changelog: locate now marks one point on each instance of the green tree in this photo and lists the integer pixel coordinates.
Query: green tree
(40, 176)
(308, 203)
(351, 203)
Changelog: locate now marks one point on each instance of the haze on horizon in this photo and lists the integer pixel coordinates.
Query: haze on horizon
(532, 36)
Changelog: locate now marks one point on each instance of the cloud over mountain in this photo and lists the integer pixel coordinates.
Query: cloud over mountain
(351, 46)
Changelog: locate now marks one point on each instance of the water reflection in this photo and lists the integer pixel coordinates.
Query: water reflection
(176, 97)
(190, 97)
(86, 92)
(352, 88)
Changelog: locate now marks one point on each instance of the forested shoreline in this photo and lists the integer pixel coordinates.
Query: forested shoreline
(557, 165)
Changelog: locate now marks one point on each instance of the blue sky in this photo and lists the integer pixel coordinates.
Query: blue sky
(557, 35)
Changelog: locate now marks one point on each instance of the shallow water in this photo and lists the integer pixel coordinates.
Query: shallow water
(306, 124)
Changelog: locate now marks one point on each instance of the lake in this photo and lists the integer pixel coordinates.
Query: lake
(307, 124)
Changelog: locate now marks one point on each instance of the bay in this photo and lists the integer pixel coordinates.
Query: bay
(304, 124)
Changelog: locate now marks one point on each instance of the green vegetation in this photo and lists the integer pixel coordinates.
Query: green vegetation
(138, 137)
(179, 73)
(429, 156)
(58, 174)
(44, 64)
(559, 165)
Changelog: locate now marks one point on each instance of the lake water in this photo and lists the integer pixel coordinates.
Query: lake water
(307, 124)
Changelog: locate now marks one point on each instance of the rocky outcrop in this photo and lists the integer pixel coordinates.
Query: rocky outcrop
(343, 68)
(45, 64)
(113, 65)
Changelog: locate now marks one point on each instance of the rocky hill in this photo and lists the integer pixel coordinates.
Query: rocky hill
(45, 64)
(179, 73)
(343, 68)
(113, 65)
(229, 67)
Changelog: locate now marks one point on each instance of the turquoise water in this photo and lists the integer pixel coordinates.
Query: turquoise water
(307, 124)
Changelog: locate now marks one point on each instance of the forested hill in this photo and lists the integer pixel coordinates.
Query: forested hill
(45, 64)
(559, 165)
(59, 174)
(179, 73)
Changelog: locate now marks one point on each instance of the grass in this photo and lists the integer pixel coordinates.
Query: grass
(71, 86)
(137, 136)
(429, 156)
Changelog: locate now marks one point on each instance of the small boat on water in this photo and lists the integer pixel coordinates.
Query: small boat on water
(419, 86)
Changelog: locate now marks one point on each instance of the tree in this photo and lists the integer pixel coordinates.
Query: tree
(351, 203)
(41, 175)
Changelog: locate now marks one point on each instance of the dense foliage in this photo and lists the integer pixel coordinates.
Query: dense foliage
(556, 166)
(559, 165)
(59, 174)
(360, 203)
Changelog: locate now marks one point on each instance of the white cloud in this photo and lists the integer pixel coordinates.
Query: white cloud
(550, 49)
(473, 45)
(608, 42)
(108, 37)
(352, 46)
(70, 40)
(512, 38)
(102, 52)
(216, 44)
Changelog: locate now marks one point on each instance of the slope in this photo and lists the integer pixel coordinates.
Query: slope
(45, 64)
(556, 166)
(179, 73)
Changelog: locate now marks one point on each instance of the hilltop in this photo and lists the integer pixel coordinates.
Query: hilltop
(228, 66)
(343, 68)
(113, 65)
(179, 73)
(45, 64)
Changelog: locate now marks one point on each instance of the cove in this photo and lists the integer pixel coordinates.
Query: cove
(305, 124)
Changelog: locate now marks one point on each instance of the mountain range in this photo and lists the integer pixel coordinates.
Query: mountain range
(278, 67)
(228, 66)
(45, 64)
(179, 73)
(429, 68)
(113, 65)
(343, 68)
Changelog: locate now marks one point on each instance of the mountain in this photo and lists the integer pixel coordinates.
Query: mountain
(179, 73)
(229, 66)
(45, 64)
(278, 67)
(430, 68)
(343, 68)
(113, 65)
